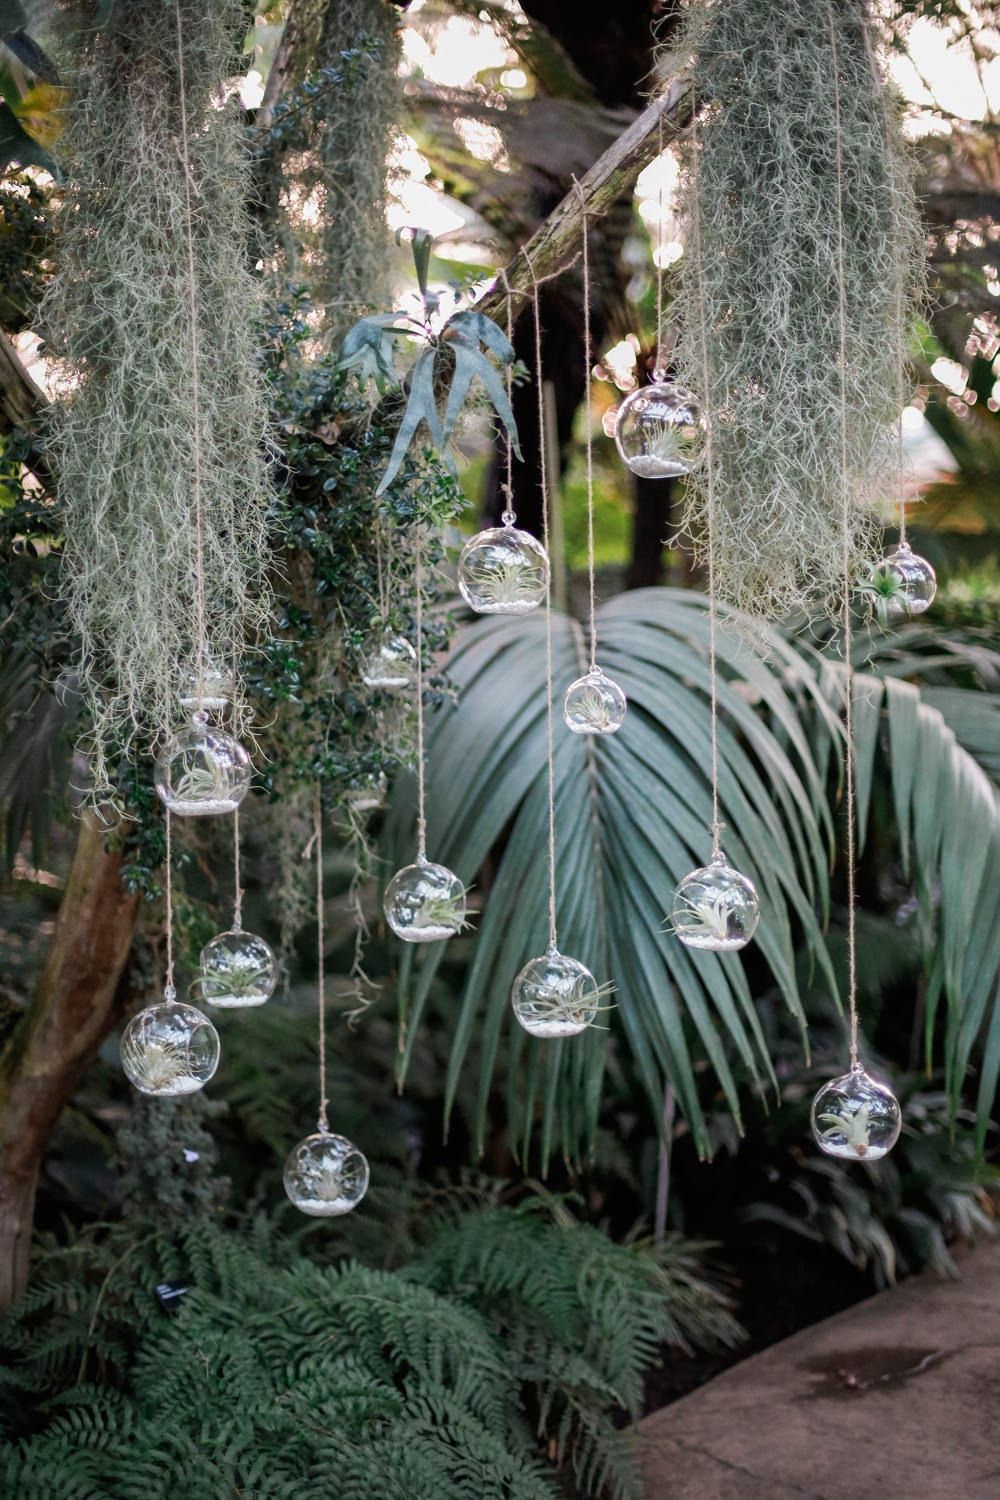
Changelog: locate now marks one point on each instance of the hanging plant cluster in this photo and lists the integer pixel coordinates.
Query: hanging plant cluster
(158, 438)
(767, 277)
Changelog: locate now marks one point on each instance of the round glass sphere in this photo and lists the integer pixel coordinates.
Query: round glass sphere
(715, 908)
(237, 968)
(503, 571)
(170, 1048)
(555, 996)
(201, 771)
(425, 902)
(211, 688)
(368, 793)
(903, 584)
(660, 431)
(325, 1175)
(855, 1118)
(593, 704)
(389, 663)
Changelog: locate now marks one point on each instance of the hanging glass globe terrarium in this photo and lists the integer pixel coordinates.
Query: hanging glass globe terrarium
(593, 704)
(202, 770)
(660, 430)
(209, 689)
(556, 996)
(903, 584)
(503, 571)
(170, 1048)
(715, 908)
(856, 1118)
(237, 969)
(390, 662)
(425, 902)
(325, 1175)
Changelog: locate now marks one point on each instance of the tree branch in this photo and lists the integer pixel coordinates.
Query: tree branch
(557, 240)
(21, 404)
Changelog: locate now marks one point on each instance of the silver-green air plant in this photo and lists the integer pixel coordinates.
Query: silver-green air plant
(765, 288)
(126, 432)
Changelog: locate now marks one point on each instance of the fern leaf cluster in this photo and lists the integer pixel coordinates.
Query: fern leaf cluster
(489, 1367)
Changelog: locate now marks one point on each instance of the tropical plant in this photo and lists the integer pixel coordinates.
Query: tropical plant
(488, 1366)
(632, 815)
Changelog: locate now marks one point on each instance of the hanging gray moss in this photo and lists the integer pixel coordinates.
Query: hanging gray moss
(767, 179)
(117, 318)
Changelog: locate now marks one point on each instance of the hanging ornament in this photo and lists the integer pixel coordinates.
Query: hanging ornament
(660, 431)
(390, 663)
(854, 1117)
(593, 704)
(503, 571)
(556, 996)
(170, 1048)
(715, 908)
(209, 689)
(425, 902)
(902, 584)
(325, 1175)
(201, 771)
(237, 969)
(368, 793)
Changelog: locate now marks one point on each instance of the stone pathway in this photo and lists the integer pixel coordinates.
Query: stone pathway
(895, 1399)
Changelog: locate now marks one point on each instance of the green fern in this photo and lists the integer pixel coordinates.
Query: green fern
(487, 1370)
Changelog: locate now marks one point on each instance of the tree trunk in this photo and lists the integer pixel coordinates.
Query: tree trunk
(76, 1003)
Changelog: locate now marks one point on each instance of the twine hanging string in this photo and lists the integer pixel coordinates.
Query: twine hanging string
(421, 818)
(507, 487)
(184, 152)
(543, 473)
(852, 957)
(169, 992)
(706, 398)
(659, 363)
(237, 883)
(320, 975)
(589, 414)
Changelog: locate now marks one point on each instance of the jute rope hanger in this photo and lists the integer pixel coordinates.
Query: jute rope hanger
(185, 158)
(706, 400)
(588, 416)
(852, 990)
(317, 840)
(543, 472)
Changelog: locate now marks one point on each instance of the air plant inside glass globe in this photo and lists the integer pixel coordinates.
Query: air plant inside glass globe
(555, 996)
(901, 585)
(503, 571)
(715, 908)
(325, 1175)
(170, 1048)
(855, 1117)
(425, 902)
(389, 662)
(201, 771)
(660, 430)
(237, 969)
(209, 689)
(593, 704)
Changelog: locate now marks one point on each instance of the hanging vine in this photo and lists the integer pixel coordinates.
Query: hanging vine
(134, 408)
(768, 274)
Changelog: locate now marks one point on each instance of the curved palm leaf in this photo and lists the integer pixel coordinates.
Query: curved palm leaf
(633, 812)
(632, 815)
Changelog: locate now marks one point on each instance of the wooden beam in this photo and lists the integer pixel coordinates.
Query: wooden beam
(557, 241)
